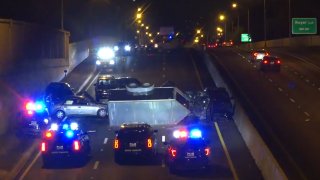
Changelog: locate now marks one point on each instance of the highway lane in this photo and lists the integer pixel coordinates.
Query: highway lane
(179, 68)
(286, 106)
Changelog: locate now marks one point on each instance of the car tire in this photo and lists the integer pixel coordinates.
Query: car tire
(102, 113)
(60, 114)
(118, 159)
(46, 161)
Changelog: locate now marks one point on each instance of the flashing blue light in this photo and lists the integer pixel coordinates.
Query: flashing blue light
(54, 127)
(69, 134)
(65, 126)
(195, 133)
(170, 37)
(127, 48)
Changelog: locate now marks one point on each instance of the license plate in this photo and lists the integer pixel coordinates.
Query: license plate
(190, 154)
(132, 145)
(59, 147)
(260, 57)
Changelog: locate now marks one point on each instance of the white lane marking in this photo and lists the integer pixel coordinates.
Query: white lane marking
(307, 120)
(225, 149)
(163, 69)
(197, 72)
(96, 164)
(132, 70)
(163, 164)
(292, 100)
(91, 131)
(319, 89)
(270, 80)
(85, 83)
(105, 140)
(280, 89)
(307, 114)
(29, 167)
(163, 75)
(101, 149)
(163, 138)
(94, 80)
(307, 80)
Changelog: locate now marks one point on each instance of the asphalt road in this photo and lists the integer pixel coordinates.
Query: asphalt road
(284, 106)
(230, 157)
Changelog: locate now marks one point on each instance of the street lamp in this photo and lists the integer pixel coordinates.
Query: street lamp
(138, 31)
(198, 31)
(139, 15)
(142, 25)
(223, 18)
(147, 27)
(234, 5)
(139, 9)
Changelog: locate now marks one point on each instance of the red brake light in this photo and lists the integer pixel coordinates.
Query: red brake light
(265, 62)
(48, 134)
(207, 151)
(29, 106)
(149, 143)
(76, 145)
(30, 112)
(43, 146)
(183, 134)
(116, 144)
(173, 152)
(231, 42)
(278, 62)
(267, 54)
(255, 54)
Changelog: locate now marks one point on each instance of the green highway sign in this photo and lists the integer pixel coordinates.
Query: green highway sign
(304, 25)
(245, 38)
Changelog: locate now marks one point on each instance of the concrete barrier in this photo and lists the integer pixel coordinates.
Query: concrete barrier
(263, 157)
(298, 41)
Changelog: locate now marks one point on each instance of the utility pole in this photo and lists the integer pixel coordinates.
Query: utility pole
(265, 23)
(62, 15)
(289, 18)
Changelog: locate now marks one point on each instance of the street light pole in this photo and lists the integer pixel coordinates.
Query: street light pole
(265, 23)
(62, 15)
(248, 21)
(289, 18)
(225, 30)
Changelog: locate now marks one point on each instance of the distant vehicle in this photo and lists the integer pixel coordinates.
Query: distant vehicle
(135, 140)
(220, 102)
(79, 106)
(188, 150)
(212, 45)
(270, 63)
(106, 83)
(123, 49)
(257, 55)
(66, 140)
(56, 92)
(106, 57)
(33, 120)
(227, 43)
(151, 49)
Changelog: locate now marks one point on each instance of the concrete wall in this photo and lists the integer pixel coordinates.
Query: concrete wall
(25, 75)
(286, 42)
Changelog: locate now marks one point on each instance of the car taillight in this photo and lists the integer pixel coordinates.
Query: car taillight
(278, 62)
(43, 147)
(267, 54)
(76, 145)
(207, 151)
(149, 143)
(265, 62)
(255, 54)
(173, 152)
(116, 144)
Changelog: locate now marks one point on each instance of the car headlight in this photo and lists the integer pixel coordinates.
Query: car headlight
(111, 62)
(106, 53)
(116, 48)
(156, 45)
(98, 62)
(127, 48)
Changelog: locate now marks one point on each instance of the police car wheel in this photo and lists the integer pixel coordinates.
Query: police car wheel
(60, 114)
(118, 159)
(102, 113)
(46, 161)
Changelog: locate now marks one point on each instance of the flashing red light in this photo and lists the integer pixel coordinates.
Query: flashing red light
(278, 62)
(43, 146)
(265, 62)
(149, 143)
(116, 144)
(231, 42)
(30, 112)
(76, 145)
(183, 134)
(30, 106)
(207, 151)
(267, 54)
(48, 134)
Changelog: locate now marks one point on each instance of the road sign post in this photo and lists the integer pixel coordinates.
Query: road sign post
(304, 25)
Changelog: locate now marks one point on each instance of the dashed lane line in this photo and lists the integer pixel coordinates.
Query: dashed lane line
(225, 149)
(292, 100)
(307, 114)
(94, 80)
(105, 140)
(96, 165)
(30, 166)
(280, 89)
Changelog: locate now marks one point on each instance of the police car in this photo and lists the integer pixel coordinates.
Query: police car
(65, 140)
(135, 140)
(33, 118)
(188, 150)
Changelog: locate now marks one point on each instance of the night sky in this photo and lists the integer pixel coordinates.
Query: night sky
(90, 18)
